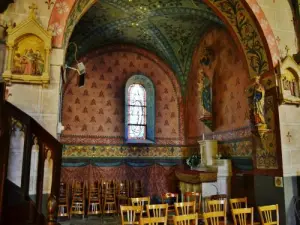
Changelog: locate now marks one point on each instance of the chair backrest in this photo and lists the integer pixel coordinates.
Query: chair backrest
(159, 210)
(130, 214)
(218, 197)
(143, 201)
(123, 188)
(63, 191)
(243, 216)
(194, 196)
(153, 221)
(136, 188)
(184, 208)
(269, 214)
(190, 219)
(217, 206)
(169, 198)
(215, 218)
(237, 203)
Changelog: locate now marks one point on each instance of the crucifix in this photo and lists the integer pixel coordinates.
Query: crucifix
(33, 8)
(289, 136)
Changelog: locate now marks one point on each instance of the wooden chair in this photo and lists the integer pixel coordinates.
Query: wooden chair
(137, 189)
(153, 221)
(78, 198)
(218, 197)
(122, 194)
(237, 203)
(158, 210)
(214, 218)
(269, 215)
(170, 198)
(185, 208)
(141, 201)
(110, 204)
(130, 214)
(218, 206)
(194, 196)
(190, 219)
(243, 216)
(63, 200)
(94, 200)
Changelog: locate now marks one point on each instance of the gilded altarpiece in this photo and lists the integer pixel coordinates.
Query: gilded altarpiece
(288, 81)
(29, 46)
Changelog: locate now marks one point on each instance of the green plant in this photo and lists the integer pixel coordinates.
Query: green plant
(193, 160)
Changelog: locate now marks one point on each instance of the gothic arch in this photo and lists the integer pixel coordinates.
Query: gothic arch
(248, 24)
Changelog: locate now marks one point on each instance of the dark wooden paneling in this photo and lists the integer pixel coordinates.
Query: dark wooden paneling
(16, 199)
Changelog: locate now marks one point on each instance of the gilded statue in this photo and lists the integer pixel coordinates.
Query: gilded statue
(257, 99)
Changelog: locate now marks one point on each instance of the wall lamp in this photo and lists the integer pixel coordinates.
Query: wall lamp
(80, 69)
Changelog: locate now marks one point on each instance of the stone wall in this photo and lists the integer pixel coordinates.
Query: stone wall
(280, 17)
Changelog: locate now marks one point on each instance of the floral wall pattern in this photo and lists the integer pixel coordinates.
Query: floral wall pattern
(229, 78)
(94, 114)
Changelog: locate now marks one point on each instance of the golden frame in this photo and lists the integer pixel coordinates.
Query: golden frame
(288, 81)
(28, 55)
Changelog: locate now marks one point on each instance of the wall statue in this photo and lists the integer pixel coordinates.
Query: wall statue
(257, 102)
(206, 99)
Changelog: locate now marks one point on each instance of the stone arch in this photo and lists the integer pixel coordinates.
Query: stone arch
(247, 25)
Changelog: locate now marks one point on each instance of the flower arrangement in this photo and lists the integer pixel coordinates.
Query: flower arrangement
(193, 160)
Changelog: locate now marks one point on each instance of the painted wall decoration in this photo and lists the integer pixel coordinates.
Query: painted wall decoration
(236, 148)
(28, 52)
(121, 151)
(266, 146)
(65, 16)
(94, 114)
(167, 31)
(229, 77)
(247, 32)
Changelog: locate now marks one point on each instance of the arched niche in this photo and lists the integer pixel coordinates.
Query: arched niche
(29, 46)
(288, 81)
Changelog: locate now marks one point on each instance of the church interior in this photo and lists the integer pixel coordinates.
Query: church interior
(143, 106)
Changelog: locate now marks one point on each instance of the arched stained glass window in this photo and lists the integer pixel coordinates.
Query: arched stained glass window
(139, 110)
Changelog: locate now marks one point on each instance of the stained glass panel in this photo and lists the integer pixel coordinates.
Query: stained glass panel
(137, 112)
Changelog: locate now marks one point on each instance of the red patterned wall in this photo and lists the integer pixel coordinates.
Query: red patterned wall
(94, 114)
(230, 79)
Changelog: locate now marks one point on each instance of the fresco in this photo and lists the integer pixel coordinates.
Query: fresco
(94, 114)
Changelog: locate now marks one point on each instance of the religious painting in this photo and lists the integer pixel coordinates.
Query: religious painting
(28, 56)
(34, 168)
(16, 152)
(288, 80)
(48, 170)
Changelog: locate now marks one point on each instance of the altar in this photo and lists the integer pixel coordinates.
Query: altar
(211, 177)
(213, 180)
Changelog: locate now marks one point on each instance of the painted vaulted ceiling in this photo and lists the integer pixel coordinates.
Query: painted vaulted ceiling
(169, 28)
